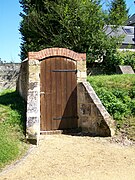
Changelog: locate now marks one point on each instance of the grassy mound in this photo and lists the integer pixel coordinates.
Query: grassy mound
(12, 126)
(117, 93)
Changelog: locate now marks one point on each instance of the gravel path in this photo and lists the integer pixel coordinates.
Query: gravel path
(65, 157)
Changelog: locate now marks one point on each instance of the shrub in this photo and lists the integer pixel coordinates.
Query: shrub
(114, 58)
(114, 102)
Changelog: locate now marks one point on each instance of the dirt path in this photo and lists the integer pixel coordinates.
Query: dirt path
(62, 157)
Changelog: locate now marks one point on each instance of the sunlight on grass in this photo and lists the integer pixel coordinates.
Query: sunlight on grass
(12, 120)
(117, 93)
(113, 81)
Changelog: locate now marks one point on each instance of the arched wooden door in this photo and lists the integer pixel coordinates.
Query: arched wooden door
(58, 78)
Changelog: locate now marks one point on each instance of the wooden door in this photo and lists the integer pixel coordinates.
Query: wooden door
(58, 94)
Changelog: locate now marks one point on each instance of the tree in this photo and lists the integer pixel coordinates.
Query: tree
(118, 12)
(74, 24)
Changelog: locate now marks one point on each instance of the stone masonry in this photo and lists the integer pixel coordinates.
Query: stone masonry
(22, 83)
(33, 100)
(33, 92)
(93, 117)
(28, 86)
(8, 75)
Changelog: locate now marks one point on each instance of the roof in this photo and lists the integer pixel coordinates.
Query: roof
(127, 31)
(131, 20)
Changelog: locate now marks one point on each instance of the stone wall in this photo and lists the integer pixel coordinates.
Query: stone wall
(8, 75)
(22, 82)
(33, 101)
(81, 71)
(93, 117)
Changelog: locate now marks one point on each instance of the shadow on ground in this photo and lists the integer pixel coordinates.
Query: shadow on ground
(78, 132)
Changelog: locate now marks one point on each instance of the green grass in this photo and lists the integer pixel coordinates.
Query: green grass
(117, 93)
(12, 127)
(113, 81)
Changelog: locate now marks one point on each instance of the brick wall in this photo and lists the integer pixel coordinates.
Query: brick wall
(56, 52)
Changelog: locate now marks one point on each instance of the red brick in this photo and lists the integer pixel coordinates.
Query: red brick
(57, 52)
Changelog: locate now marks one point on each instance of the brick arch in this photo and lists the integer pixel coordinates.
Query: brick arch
(49, 52)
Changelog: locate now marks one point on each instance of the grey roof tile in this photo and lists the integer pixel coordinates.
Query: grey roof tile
(131, 20)
(127, 31)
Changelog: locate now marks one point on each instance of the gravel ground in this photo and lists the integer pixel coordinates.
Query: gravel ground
(66, 157)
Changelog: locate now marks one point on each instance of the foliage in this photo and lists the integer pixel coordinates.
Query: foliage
(74, 24)
(118, 58)
(126, 58)
(12, 118)
(117, 93)
(118, 12)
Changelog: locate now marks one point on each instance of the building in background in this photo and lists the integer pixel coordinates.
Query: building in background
(128, 33)
(131, 21)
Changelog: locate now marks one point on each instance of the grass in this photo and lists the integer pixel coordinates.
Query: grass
(117, 93)
(128, 128)
(12, 127)
(113, 81)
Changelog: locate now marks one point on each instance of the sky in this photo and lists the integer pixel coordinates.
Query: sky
(10, 37)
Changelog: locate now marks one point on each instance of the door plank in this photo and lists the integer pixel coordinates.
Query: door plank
(48, 93)
(63, 93)
(58, 91)
(54, 95)
(74, 97)
(42, 96)
(59, 104)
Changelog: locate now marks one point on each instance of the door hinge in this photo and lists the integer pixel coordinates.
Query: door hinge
(64, 70)
(66, 117)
